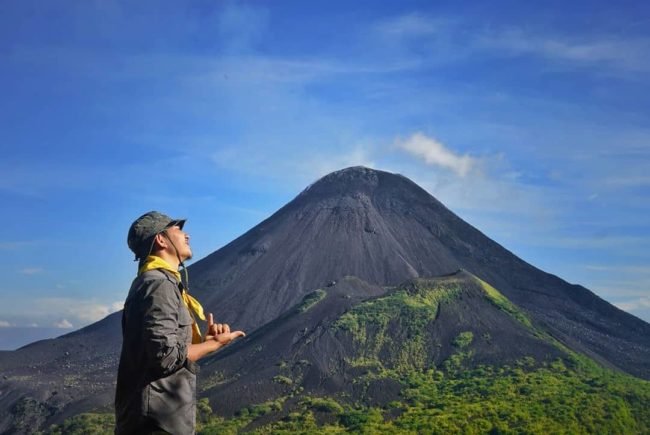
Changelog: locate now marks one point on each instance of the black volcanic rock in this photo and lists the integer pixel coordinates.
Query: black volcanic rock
(360, 222)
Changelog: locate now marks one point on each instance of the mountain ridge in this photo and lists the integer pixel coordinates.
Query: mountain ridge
(326, 356)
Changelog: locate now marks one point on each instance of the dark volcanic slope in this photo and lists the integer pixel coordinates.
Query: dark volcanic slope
(322, 346)
(385, 229)
(49, 380)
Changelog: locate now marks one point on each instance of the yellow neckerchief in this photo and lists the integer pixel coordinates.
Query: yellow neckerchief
(195, 308)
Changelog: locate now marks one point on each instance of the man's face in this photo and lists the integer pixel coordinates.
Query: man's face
(181, 241)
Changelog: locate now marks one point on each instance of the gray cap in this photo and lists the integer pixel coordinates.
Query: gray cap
(144, 228)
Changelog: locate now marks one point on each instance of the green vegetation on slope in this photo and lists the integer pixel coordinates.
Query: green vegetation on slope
(575, 398)
(408, 310)
(504, 303)
(311, 299)
(569, 396)
(85, 424)
(579, 399)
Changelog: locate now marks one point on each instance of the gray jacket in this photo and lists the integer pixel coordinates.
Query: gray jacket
(156, 383)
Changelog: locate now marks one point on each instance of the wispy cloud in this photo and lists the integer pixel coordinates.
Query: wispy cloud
(594, 242)
(6, 324)
(64, 312)
(63, 324)
(643, 270)
(241, 27)
(435, 153)
(409, 25)
(613, 52)
(623, 284)
(641, 303)
(77, 310)
(31, 271)
(297, 170)
(324, 164)
(449, 38)
(11, 246)
(626, 180)
(481, 190)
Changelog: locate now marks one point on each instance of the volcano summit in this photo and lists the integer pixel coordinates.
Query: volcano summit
(363, 274)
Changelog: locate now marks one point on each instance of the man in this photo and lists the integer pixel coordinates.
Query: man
(156, 380)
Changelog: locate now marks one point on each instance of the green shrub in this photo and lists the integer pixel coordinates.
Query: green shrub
(464, 339)
(324, 404)
(85, 424)
(311, 299)
(282, 380)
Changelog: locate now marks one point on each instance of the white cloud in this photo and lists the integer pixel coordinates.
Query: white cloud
(641, 303)
(31, 270)
(4, 324)
(79, 311)
(489, 196)
(63, 324)
(436, 153)
(92, 312)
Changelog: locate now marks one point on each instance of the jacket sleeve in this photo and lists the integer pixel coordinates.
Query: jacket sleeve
(163, 335)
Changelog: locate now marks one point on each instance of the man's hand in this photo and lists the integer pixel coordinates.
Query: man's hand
(220, 332)
(217, 336)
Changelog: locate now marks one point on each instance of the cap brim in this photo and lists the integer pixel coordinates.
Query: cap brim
(176, 222)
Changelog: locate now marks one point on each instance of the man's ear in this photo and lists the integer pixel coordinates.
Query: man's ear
(160, 242)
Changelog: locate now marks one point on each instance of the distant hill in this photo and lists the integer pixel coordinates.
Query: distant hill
(361, 284)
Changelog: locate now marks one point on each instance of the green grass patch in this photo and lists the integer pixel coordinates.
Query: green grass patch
(407, 310)
(311, 299)
(503, 303)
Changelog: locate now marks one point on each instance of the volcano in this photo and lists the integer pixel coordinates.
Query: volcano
(385, 229)
(362, 269)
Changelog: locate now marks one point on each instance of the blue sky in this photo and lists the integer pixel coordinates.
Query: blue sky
(528, 119)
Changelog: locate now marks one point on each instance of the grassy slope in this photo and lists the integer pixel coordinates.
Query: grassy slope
(573, 395)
